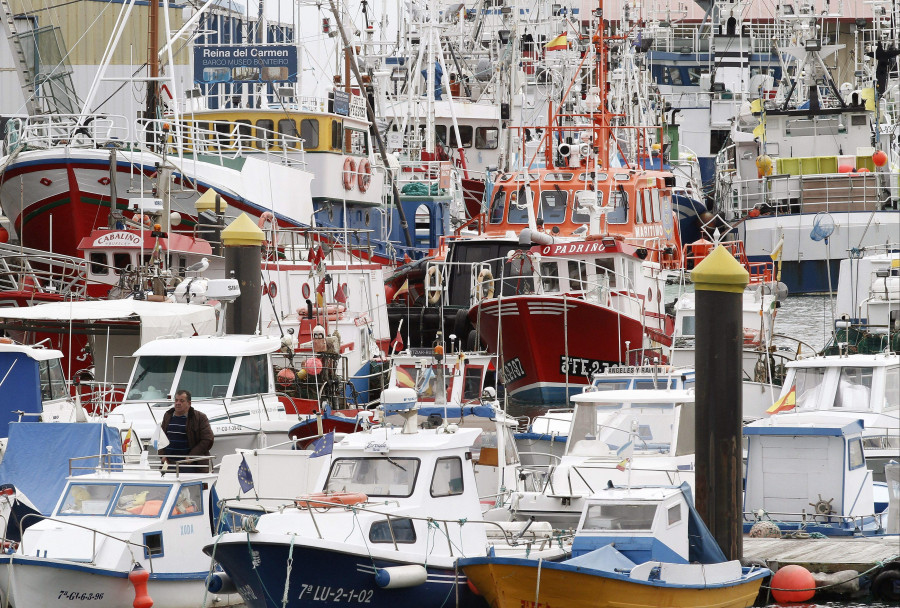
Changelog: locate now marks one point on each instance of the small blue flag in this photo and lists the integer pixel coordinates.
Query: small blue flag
(245, 478)
(322, 446)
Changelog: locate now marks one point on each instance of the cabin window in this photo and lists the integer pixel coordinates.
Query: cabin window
(88, 499)
(673, 514)
(657, 211)
(619, 214)
(577, 275)
(440, 135)
(245, 134)
(264, 133)
(309, 132)
(141, 500)
(395, 529)
(53, 381)
(121, 261)
(223, 133)
(518, 207)
(465, 132)
(550, 276)
(498, 206)
(641, 208)
(675, 76)
(448, 477)
(892, 388)
(509, 446)
(99, 263)
(252, 377)
(423, 226)
(519, 277)
(422, 379)
(553, 206)
(579, 214)
(189, 501)
(487, 138)
(206, 377)
(472, 382)
(607, 267)
(153, 544)
(153, 377)
(287, 128)
(855, 453)
(373, 476)
(337, 135)
(355, 142)
(688, 326)
(854, 388)
(619, 517)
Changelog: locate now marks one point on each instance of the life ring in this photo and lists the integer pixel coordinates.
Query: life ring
(266, 216)
(327, 500)
(485, 276)
(349, 170)
(365, 175)
(433, 281)
(751, 337)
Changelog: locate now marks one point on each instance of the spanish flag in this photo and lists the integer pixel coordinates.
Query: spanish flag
(788, 402)
(558, 43)
(127, 441)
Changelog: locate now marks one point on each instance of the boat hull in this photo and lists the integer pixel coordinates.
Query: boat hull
(537, 349)
(512, 585)
(28, 582)
(319, 576)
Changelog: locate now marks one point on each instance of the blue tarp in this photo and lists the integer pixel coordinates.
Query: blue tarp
(20, 387)
(606, 558)
(702, 547)
(37, 456)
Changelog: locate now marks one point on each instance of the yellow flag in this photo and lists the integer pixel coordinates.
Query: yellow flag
(776, 253)
(558, 43)
(788, 402)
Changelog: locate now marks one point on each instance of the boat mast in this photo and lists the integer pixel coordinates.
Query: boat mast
(150, 110)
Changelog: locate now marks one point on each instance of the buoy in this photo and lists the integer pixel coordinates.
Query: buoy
(863, 170)
(398, 577)
(4, 235)
(793, 584)
(139, 577)
(753, 212)
(764, 165)
(285, 377)
(220, 584)
(845, 168)
(313, 365)
(879, 158)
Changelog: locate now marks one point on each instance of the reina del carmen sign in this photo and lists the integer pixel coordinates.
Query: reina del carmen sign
(118, 239)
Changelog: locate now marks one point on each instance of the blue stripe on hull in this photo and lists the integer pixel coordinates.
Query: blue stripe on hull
(548, 395)
(320, 577)
(807, 276)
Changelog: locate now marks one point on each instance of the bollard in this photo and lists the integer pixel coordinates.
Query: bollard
(719, 282)
(243, 257)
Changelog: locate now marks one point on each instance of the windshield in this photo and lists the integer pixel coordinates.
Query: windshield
(206, 377)
(424, 380)
(382, 476)
(88, 499)
(597, 431)
(619, 517)
(809, 383)
(141, 500)
(153, 377)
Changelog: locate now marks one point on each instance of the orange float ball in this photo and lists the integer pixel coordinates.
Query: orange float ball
(879, 158)
(793, 584)
(753, 212)
(4, 235)
(845, 169)
(863, 170)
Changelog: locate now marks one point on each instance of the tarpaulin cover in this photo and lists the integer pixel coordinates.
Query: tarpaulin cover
(37, 456)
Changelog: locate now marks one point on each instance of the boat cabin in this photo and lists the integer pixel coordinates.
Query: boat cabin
(32, 381)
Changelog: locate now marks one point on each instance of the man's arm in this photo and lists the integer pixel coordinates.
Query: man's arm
(206, 436)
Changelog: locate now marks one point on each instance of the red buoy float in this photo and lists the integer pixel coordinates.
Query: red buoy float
(139, 577)
(793, 584)
(879, 158)
(846, 168)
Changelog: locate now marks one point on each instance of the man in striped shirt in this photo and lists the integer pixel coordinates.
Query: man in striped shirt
(188, 431)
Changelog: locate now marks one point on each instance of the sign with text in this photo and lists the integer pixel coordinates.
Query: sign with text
(245, 63)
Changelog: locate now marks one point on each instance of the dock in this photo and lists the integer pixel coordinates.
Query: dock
(828, 555)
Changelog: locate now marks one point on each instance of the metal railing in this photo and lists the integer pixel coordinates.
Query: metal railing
(34, 271)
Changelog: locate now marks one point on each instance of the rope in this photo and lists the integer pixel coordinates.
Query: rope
(253, 567)
(287, 574)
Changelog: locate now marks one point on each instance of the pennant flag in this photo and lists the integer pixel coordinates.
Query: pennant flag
(245, 477)
(558, 43)
(320, 293)
(322, 446)
(404, 289)
(776, 253)
(339, 295)
(127, 441)
(311, 258)
(397, 343)
(788, 402)
(624, 464)
(159, 440)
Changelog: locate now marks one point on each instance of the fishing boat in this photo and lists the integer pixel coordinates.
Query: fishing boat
(623, 437)
(861, 386)
(868, 296)
(115, 522)
(644, 546)
(370, 534)
(809, 474)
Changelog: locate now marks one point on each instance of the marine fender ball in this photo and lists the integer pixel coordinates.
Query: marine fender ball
(399, 577)
(879, 158)
(139, 577)
(793, 584)
(846, 169)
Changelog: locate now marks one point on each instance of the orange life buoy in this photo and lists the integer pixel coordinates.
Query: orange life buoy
(266, 216)
(349, 170)
(751, 337)
(327, 500)
(365, 174)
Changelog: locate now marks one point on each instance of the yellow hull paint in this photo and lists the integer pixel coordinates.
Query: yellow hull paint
(513, 586)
